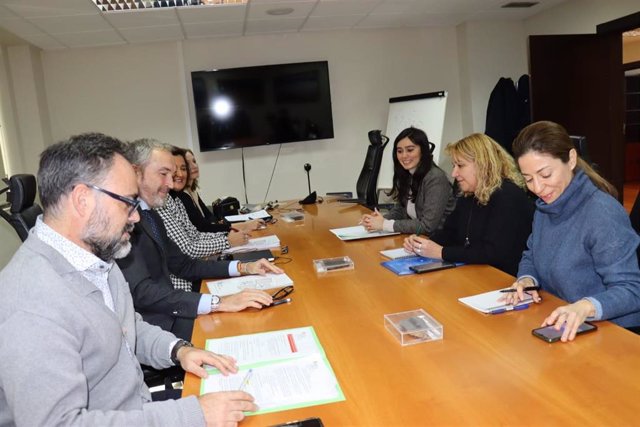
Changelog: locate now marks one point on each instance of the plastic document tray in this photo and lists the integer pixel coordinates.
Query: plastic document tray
(413, 327)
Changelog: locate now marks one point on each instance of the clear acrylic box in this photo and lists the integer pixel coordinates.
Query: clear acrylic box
(333, 264)
(413, 327)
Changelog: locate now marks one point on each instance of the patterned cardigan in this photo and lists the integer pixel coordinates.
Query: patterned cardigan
(192, 242)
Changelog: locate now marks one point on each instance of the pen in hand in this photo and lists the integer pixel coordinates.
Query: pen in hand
(527, 288)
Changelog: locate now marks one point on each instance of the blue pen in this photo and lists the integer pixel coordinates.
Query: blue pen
(511, 308)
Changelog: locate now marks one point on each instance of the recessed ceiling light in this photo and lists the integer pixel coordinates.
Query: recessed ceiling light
(280, 11)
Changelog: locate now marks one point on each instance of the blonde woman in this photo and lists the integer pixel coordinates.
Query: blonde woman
(492, 218)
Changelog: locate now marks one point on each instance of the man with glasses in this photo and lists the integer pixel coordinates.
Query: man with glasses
(154, 256)
(71, 342)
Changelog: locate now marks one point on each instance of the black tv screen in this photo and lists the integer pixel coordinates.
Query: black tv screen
(269, 104)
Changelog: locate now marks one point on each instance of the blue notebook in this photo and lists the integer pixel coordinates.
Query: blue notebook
(401, 266)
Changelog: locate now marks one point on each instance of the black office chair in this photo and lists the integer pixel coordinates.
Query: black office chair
(23, 212)
(580, 142)
(367, 185)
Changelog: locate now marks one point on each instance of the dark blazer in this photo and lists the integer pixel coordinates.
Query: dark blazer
(204, 223)
(147, 269)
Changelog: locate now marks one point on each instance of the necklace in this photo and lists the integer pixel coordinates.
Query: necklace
(467, 243)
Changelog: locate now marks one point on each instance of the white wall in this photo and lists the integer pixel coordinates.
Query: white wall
(129, 92)
(487, 51)
(144, 90)
(579, 16)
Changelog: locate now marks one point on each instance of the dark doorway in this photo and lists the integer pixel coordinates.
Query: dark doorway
(578, 81)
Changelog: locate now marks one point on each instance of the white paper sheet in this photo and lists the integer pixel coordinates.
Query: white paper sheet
(257, 243)
(489, 301)
(358, 232)
(248, 217)
(398, 253)
(237, 284)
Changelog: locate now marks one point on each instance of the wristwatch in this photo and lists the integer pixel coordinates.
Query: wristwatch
(178, 346)
(215, 303)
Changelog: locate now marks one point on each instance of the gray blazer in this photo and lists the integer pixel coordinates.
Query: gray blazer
(63, 352)
(434, 203)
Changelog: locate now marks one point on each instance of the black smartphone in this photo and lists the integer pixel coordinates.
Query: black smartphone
(336, 263)
(307, 422)
(550, 334)
(432, 266)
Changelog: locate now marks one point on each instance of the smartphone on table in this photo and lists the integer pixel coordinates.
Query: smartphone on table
(550, 334)
(431, 266)
(307, 422)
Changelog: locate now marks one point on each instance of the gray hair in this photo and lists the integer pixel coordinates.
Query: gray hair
(82, 159)
(139, 151)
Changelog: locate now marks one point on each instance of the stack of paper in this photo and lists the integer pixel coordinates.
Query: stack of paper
(257, 243)
(237, 284)
(491, 301)
(358, 232)
(281, 369)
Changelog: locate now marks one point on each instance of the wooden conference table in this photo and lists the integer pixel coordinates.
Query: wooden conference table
(488, 369)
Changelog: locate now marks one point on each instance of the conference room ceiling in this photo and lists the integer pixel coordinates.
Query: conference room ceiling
(64, 24)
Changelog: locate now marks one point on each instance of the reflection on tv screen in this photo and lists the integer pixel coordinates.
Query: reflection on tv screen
(271, 104)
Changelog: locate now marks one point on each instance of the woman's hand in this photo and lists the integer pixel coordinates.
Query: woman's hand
(520, 294)
(423, 247)
(372, 221)
(570, 317)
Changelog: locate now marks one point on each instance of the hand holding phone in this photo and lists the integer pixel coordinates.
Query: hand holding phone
(550, 334)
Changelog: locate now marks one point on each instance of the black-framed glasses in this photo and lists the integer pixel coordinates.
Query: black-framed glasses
(282, 293)
(134, 203)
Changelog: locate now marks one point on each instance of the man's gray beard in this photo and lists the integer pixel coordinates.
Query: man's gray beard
(107, 251)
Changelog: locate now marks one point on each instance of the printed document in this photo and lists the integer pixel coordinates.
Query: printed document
(282, 369)
(255, 244)
(237, 284)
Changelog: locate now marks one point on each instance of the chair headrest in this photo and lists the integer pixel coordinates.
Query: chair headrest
(22, 192)
(377, 138)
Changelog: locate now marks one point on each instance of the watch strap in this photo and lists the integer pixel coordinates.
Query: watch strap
(178, 346)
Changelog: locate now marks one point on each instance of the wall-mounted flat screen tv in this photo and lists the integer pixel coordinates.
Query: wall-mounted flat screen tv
(269, 104)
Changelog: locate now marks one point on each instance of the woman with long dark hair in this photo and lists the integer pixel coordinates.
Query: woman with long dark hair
(582, 247)
(423, 194)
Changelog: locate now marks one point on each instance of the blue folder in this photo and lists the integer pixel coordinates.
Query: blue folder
(401, 266)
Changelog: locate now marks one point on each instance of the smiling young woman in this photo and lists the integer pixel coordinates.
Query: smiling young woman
(423, 194)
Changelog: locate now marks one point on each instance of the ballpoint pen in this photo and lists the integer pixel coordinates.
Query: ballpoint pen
(510, 308)
(528, 288)
(245, 380)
